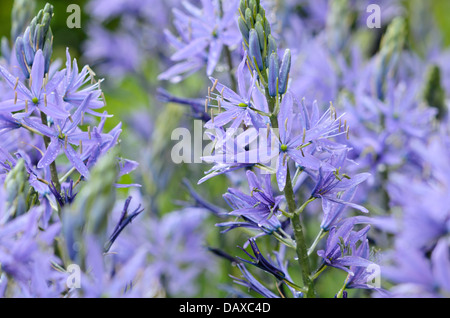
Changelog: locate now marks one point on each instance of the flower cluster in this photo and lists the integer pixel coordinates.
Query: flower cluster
(265, 127)
(325, 173)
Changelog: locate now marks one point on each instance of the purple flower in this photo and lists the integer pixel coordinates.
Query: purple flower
(242, 107)
(69, 196)
(291, 143)
(63, 133)
(341, 243)
(335, 189)
(259, 209)
(252, 283)
(106, 277)
(74, 90)
(229, 153)
(26, 257)
(124, 220)
(40, 94)
(417, 275)
(261, 262)
(203, 34)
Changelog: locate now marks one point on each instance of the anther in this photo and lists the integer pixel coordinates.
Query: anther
(214, 85)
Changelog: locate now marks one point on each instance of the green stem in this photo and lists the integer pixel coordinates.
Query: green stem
(53, 170)
(299, 235)
(319, 236)
(340, 293)
(318, 272)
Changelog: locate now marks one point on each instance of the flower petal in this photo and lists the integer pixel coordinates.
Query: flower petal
(51, 153)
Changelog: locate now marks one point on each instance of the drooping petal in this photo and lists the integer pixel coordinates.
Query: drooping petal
(215, 50)
(282, 172)
(305, 159)
(51, 153)
(40, 127)
(193, 48)
(22, 91)
(76, 161)
(11, 105)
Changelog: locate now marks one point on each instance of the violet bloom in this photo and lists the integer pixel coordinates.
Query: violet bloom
(252, 283)
(40, 95)
(74, 90)
(417, 275)
(64, 133)
(68, 197)
(363, 276)
(335, 189)
(107, 278)
(291, 144)
(242, 107)
(261, 262)
(203, 34)
(26, 256)
(340, 244)
(260, 208)
(229, 154)
(125, 219)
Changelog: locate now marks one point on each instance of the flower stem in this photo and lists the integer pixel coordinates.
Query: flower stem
(53, 170)
(301, 248)
(340, 293)
(319, 236)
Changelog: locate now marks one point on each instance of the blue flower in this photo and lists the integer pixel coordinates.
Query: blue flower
(40, 93)
(203, 33)
(259, 209)
(341, 246)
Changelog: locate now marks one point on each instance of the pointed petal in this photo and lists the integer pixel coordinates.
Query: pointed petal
(51, 153)
(75, 159)
(282, 173)
(215, 49)
(22, 91)
(37, 73)
(228, 94)
(11, 106)
(193, 48)
(40, 127)
(304, 159)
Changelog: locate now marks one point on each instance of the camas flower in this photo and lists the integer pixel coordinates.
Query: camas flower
(259, 209)
(340, 245)
(335, 189)
(242, 107)
(63, 133)
(203, 32)
(74, 90)
(39, 95)
(252, 283)
(261, 262)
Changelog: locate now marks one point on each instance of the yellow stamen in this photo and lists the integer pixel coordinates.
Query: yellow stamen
(214, 85)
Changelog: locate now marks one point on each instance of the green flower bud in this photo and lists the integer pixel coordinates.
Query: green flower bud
(434, 93)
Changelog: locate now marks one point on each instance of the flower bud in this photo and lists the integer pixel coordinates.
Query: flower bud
(21, 14)
(255, 50)
(434, 93)
(261, 37)
(390, 49)
(273, 74)
(249, 18)
(37, 36)
(284, 72)
(243, 28)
